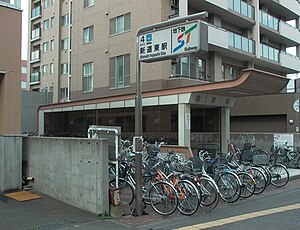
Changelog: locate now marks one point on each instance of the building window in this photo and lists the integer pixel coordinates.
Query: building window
(88, 34)
(119, 69)
(88, 3)
(46, 4)
(23, 70)
(45, 69)
(88, 72)
(46, 24)
(45, 47)
(52, 68)
(64, 44)
(52, 45)
(23, 84)
(52, 2)
(52, 22)
(120, 24)
(64, 93)
(189, 67)
(65, 19)
(230, 72)
(64, 68)
(202, 69)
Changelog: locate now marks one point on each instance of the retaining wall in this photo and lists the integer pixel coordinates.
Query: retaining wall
(10, 163)
(71, 170)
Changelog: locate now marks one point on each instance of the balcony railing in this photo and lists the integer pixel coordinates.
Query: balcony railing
(268, 20)
(269, 52)
(35, 77)
(242, 8)
(239, 42)
(36, 12)
(35, 55)
(36, 33)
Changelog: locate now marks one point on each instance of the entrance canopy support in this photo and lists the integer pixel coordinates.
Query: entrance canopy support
(224, 129)
(184, 125)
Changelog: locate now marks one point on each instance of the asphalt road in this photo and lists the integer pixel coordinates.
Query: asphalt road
(276, 208)
(268, 210)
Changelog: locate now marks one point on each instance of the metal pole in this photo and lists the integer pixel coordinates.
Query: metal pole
(138, 140)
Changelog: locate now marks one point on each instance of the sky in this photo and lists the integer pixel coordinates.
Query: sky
(24, 6)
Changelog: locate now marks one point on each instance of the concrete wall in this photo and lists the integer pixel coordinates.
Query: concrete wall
(30, 102)
(10, 163)
(74, 171)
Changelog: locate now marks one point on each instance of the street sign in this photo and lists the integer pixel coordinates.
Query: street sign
(172, 41)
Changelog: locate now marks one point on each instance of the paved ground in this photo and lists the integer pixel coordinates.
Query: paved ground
(48, 213)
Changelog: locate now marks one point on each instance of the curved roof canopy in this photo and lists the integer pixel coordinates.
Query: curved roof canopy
(251, 82)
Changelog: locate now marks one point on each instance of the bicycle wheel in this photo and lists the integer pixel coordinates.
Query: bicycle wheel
(267, 174)
(295, 161)
(248, 184)
(126, 190)
(260, 179)
(188, 197)
(279, 175)
(210, 194)
(282, 160)
(163, 198)
(230, 187)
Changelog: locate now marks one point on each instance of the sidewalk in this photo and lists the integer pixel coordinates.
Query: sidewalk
(47, 213)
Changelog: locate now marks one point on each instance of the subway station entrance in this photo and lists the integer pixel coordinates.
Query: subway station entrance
(171, 115)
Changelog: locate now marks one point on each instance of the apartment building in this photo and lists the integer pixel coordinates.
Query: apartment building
(85, 53)
(10, 67)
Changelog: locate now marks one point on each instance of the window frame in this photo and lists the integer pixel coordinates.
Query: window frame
(117, 80)
(90, 36)
(52, 22)
(65, 19)
(88, 3)
(52, 45)
(45, 69)
(65, 44)
(46, 24)
(64, 68)
(46, 47)
(87, 78)
(46, 4)
(114, 26)
(51, 68)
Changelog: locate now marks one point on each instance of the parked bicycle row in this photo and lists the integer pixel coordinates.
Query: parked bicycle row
(285, 154)
(171, 182)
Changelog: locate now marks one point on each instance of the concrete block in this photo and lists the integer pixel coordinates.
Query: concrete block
(118, 211)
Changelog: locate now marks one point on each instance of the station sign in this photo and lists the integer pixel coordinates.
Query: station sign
(164, 43)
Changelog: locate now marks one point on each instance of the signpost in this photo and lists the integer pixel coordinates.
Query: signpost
(173, 41)
(161, 41)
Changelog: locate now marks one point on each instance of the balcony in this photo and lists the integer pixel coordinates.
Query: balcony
(291, 5)
(269, 52)
(36, 34)
(289, 32)
(242, 8)
(287, 9)
(35, 56)
(290, 62)
(237, 12)
(36, 13)
(242, 43)
(35, 78)
(268, 20)
(230, 43)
